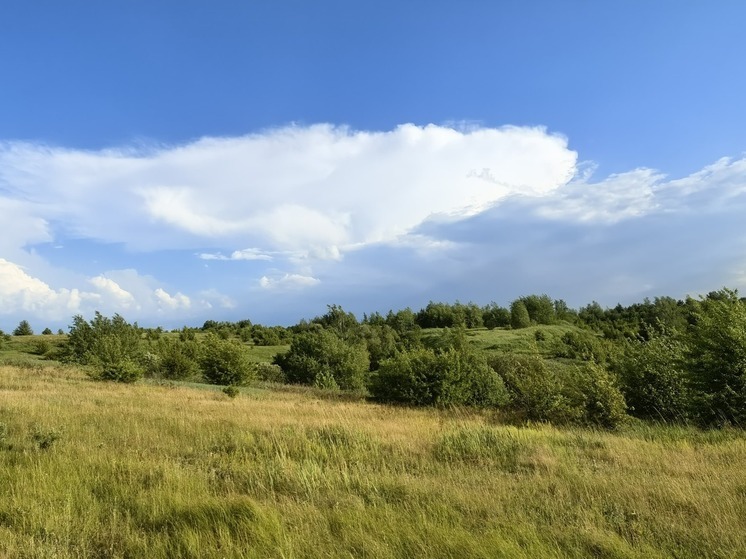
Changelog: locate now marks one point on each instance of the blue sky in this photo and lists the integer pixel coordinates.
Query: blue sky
(179, 161)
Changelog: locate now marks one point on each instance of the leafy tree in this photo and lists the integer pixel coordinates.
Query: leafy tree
(494, 316)
(653, 378)
(343, 323)
(318, 355)
(175, 359)
(47, 332)
(425, 377)
(540, 308)
(225, 362)
(519, 317)
(535, 389)
(382, 342)
(716, 358)
(112, 345)
(23, 329)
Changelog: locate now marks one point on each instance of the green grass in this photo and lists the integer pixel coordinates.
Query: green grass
(91, 469)
(520, 341)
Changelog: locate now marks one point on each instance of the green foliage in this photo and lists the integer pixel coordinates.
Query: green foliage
(42, 347)
(319, 352)
(653, 378)
(535, 389)
(111, 345)
(47, 332)
(519, 317)
(264, 336)
(494, 316)
(44, 439)
(174, 359)
(23, 329)
(231, 391)
(382, 342)
(425, 377)
(540, 309)
(269, 372)
(225, 362)
(594, 397)
(716, 359)
(115, 358)
(583, 345)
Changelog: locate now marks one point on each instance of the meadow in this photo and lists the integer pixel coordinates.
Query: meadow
(164, 469)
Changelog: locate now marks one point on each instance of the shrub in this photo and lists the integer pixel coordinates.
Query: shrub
(584, 395)
(225, 362)
(519, 317)
(595, 397)
(269, 372)
(535, 389)
(175, 360)
(653, 378)
(424, 377)
(231, 391)
(715, 359)
(112, 345)
(42, 347)
(320, 352)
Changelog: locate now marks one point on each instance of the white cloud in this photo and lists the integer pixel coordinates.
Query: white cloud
(20, 292)
(169, 302)
(244, 254)
(288, 281)
(305, 190)
(111, 290)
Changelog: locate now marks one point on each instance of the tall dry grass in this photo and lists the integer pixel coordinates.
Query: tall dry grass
(90, 469)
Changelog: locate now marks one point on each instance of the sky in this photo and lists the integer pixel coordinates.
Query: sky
(179, 161)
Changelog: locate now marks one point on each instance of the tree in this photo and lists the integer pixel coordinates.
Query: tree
(321, 357)
(654, 379)
(225, 362)
(47, 332)
(23, 329)
(493, 316)
(540, 308)
(716, 358)
(111, 345)
(426, 377)
(519, 317)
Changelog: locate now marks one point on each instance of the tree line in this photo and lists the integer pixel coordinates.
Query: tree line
(662, 359)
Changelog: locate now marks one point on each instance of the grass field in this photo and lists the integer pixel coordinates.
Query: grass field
(91, 469)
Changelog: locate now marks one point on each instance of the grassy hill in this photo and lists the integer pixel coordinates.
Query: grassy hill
(91, 469)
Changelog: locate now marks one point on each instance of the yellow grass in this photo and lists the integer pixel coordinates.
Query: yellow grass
(90, 469)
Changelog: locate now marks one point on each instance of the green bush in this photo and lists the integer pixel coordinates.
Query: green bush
(715, 359)
(425, 377)
(535, 388)
(225, 362)
(269, 372)
(174, 360)
(319, 352)
(584, 395)
(653, 378)
(111, 345)
(595, 397)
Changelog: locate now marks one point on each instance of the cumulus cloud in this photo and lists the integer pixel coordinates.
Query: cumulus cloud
(20, 292)
(172, 302)
(321, 214)
(309, 190)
